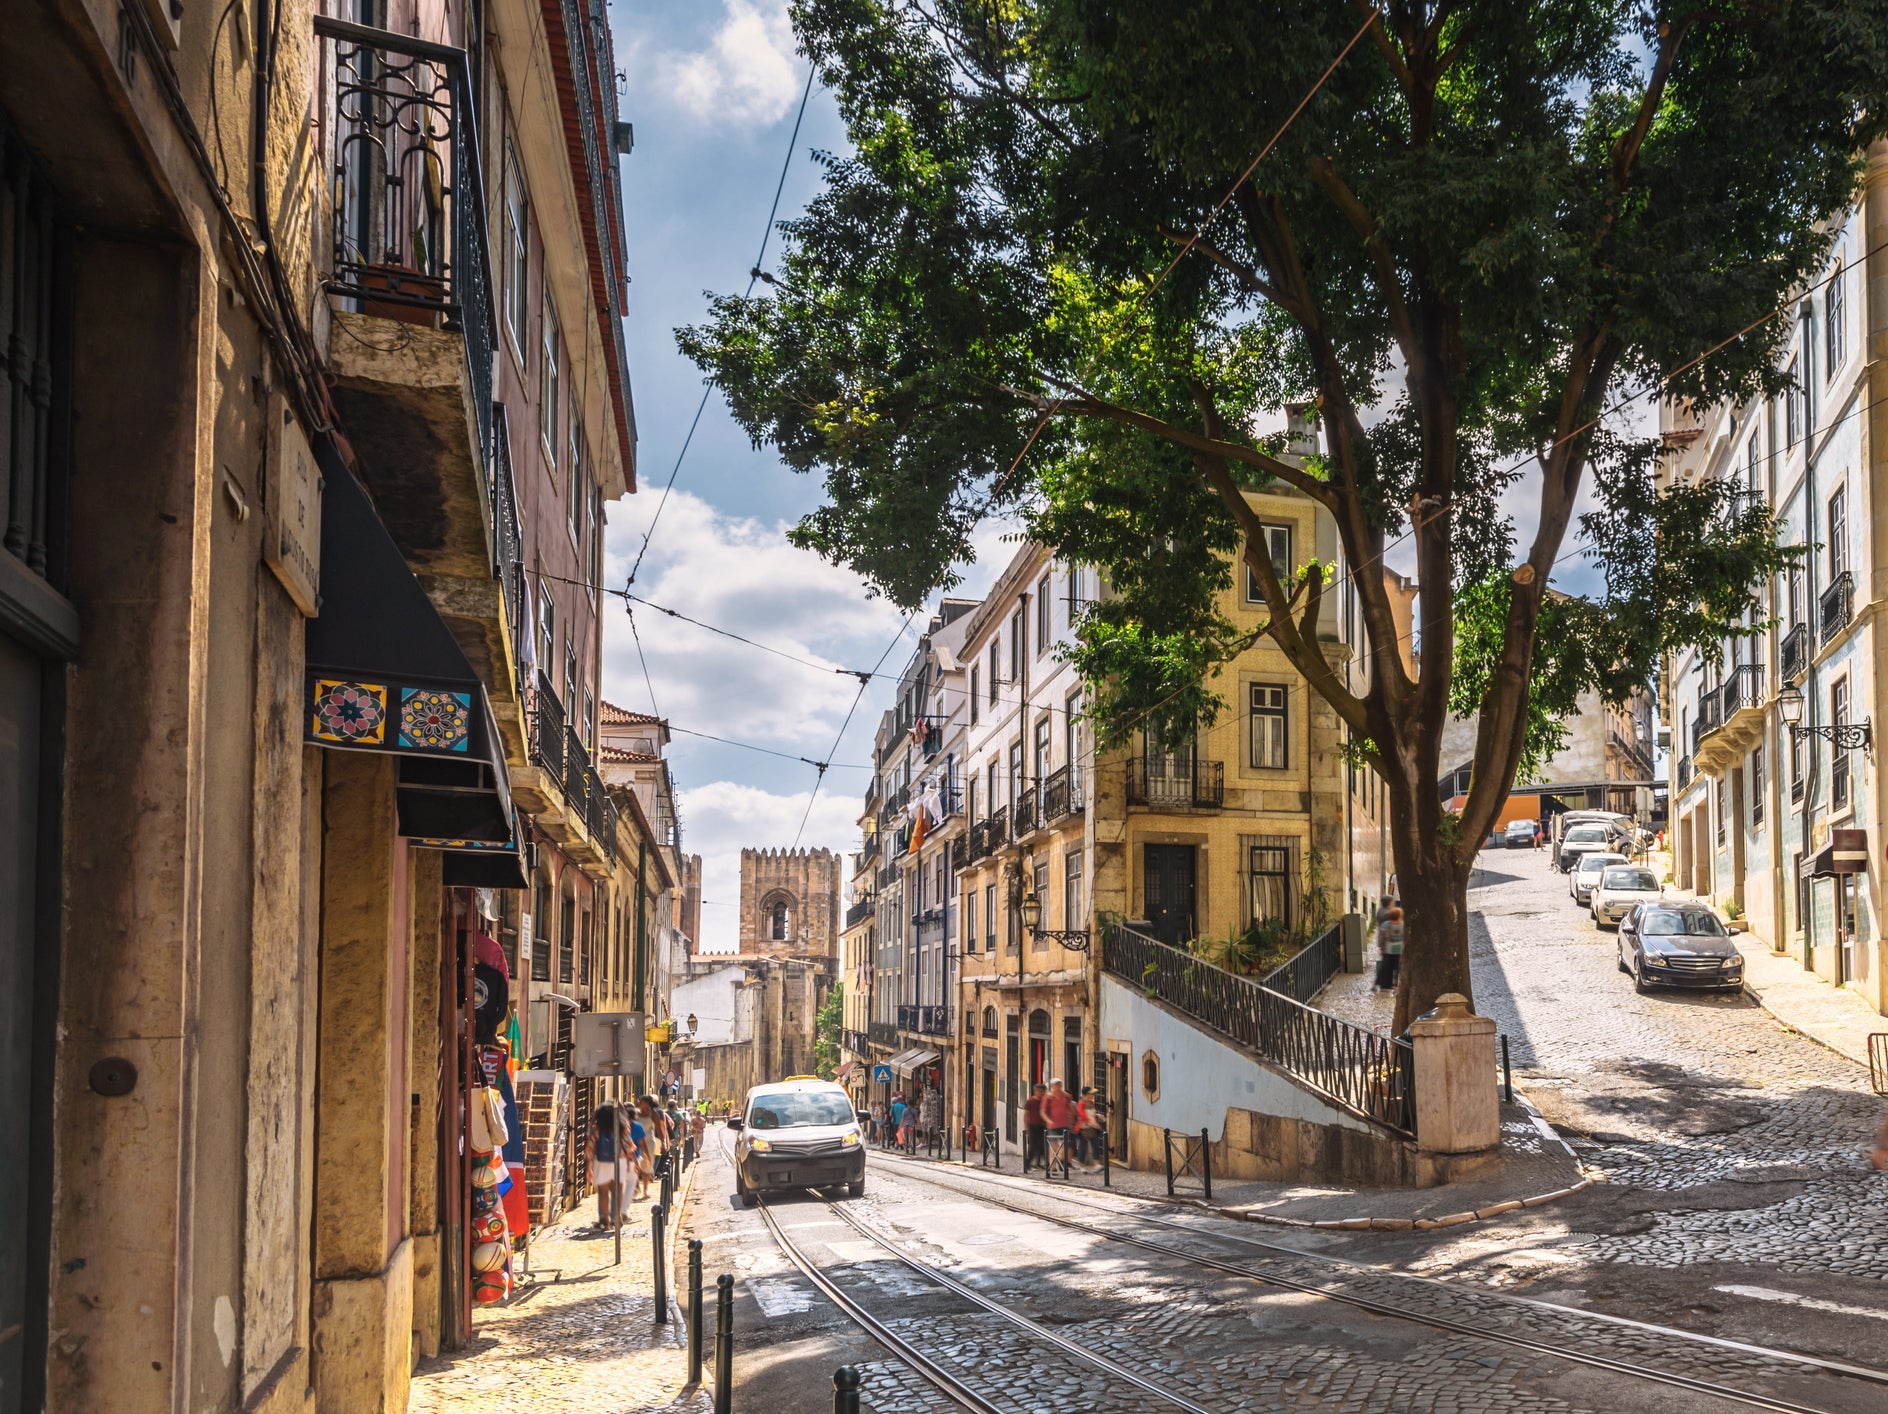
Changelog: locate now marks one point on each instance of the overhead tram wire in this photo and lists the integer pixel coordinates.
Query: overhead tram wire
(754, 277)
(865, 681)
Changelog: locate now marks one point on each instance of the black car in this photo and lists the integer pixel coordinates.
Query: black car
(1678, 945)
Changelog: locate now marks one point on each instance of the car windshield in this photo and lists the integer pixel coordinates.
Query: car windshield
(1593, 863)
(1587, 834)
(1628, 879)
(797, 1108)
(1680, 923)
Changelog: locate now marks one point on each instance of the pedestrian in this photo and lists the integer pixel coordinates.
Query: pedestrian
(899, 1107)
(931, 1116)
(656, 1129)
(1032, 1126)
(875, 1133)
(1058, 1117)
(640, 1161)
(609, 1164)
(1389, 947)
(1088, 1130)
(697, 1126)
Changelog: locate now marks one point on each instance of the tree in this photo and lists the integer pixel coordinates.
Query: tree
(1489, 224)
(828, 1021)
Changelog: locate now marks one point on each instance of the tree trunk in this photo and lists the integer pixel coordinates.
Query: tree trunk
(1435, 931)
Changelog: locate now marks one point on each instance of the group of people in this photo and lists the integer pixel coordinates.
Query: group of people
(1064, 1130)
(899, 1123)
(628, 1145)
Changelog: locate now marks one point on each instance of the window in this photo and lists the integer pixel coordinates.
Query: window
(1838, 534)
(548, 384)
(1043, 630)
(1838, 760)
(1039, 881)
(994, 669)
(1756, 788)
(1793, 592)
(1271, 880)
(579, 498)
(970, 801)
(1717, 794)
(1042, 750)
(975, 685)
(570, 672)
(566, 938)
(1019, 645)
(538, 923)
(1016, 774)
(517, 250)
(1074, 909)
(1792, 406)
(989, 917)
(589, 718)
(1072, 740)
(1269, 750)
(547, 629)
(1076, 602)
(583, 947)
(993, 795)
(970, 920)
(1835, 326)
(1150, 1074)
(1798, 766)
(1278, 542)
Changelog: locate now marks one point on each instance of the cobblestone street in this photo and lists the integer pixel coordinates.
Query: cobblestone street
(1723, 1138)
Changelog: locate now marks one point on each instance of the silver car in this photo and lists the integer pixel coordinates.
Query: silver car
(1622, 887)
(1678, 945)
(1585, 875)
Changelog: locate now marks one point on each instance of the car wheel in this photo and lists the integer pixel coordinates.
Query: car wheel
(856, 1189)
(743, 1194)
(1638, 981)
(1619, 956)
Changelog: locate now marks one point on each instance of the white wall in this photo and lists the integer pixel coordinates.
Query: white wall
(1201, 1077)
(712, 1000)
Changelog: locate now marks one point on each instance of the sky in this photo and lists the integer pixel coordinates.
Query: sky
(713, 88)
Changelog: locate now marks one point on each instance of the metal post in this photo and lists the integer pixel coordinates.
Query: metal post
(724, 1344)
(694, 1310)
(668, 1178)
(1107, 1154)
(846, 1384)
(1206, 1164)
(658, 1227)
(1166, 1152)
(620, 1169)
(1507, 1071)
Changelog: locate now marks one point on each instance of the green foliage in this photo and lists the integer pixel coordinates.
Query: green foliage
(1489, 222)
(828, 1022)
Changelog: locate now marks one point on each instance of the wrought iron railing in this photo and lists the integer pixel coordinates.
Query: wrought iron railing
(881, 1033)
(1061, 794)
(1303, 975)
(895, 803)
(859, 912)
(959, 854)
(1684, 772)
(604, 817)
(407, 190)
(1175, 784)
(925, 1020)
(508, 545)
(1793, 653)
(556, 747)
(996, 830)
(546, 728)
(887, 875)
(1024, 814)
(1742, 688)
(1371, 1075)
(1837, 606)
(976, 842)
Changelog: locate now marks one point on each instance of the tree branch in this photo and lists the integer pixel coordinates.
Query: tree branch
(1248, 275)
(1369, 230)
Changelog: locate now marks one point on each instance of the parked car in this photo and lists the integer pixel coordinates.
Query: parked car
(1678, 945)
(1585, 875)
(1521, 834)
(1620, 888)
(797, 1134)
(1583, 839)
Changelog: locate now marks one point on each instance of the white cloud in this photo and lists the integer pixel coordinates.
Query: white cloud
(749, 73)
(722, 818)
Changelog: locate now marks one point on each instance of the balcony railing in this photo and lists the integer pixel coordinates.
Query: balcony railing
(887, 876)
(1743, 688)
(562, 754)
(996, 830)
(895, 803)
(408, 236)
(881, 1033)
(1837, 607)
(1168, 783)
(547, 729)
(925, 1020)
(1793, 653)
(1684, 772)
(1061, 795)
(1025, 816)
(508, 543)
(859, 912)
(1371, 1075)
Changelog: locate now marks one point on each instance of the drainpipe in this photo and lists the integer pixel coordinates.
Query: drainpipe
(1806, 314)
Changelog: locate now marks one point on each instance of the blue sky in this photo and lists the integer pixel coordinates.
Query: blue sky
(712, 87)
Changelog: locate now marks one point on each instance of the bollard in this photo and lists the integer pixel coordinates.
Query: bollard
(1107, 1158)
(658, 1227)
(668, 1179)
(1206, 1163)
(1166, 1153)
(1507, 1071)
(694, 1310)
(846, 1384)
(724, 1344)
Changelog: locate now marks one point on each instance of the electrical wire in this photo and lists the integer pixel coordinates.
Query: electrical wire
(864, 682)
(754, 277)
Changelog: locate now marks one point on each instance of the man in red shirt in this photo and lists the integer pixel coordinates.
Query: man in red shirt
(1032, 1128)
(1058, 1112)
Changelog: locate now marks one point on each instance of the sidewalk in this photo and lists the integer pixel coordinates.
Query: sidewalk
(1535, 1167)
(580, 1337)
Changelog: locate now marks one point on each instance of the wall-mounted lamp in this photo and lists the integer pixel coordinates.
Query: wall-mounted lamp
(1842, 736)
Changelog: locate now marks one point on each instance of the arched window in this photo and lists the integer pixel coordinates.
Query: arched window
(782, 919)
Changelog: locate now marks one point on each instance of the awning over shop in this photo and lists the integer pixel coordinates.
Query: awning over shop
(900, 1061)
(907, 1061)
(480, 864)
(845, 1072)
(1846, 853)
(385, 674)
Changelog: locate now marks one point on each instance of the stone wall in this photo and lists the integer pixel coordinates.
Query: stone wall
(807, 881)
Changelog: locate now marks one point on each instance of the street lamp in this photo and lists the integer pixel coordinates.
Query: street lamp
(1841, 736)
(692, 1023)
(1075, 939)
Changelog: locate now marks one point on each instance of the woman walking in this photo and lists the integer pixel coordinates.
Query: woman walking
(1389, 948)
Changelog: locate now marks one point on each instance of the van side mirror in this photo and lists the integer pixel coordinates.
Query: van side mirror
(734, 1122)
(864, 1116)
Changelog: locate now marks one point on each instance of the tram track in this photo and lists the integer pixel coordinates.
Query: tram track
(1630, 1368)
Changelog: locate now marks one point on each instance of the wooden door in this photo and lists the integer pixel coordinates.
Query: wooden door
(1168, 891)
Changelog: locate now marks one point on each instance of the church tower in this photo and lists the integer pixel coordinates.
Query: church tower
(790, 902)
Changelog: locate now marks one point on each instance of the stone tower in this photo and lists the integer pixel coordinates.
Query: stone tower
(790, 902)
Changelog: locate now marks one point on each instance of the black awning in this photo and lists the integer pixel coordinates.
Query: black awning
(1846, 853)
(474, 863)
(385, 674)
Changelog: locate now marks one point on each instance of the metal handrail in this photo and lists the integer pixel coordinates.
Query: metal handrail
(1303, 975)
(1372, 1076)
(1836, 607)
